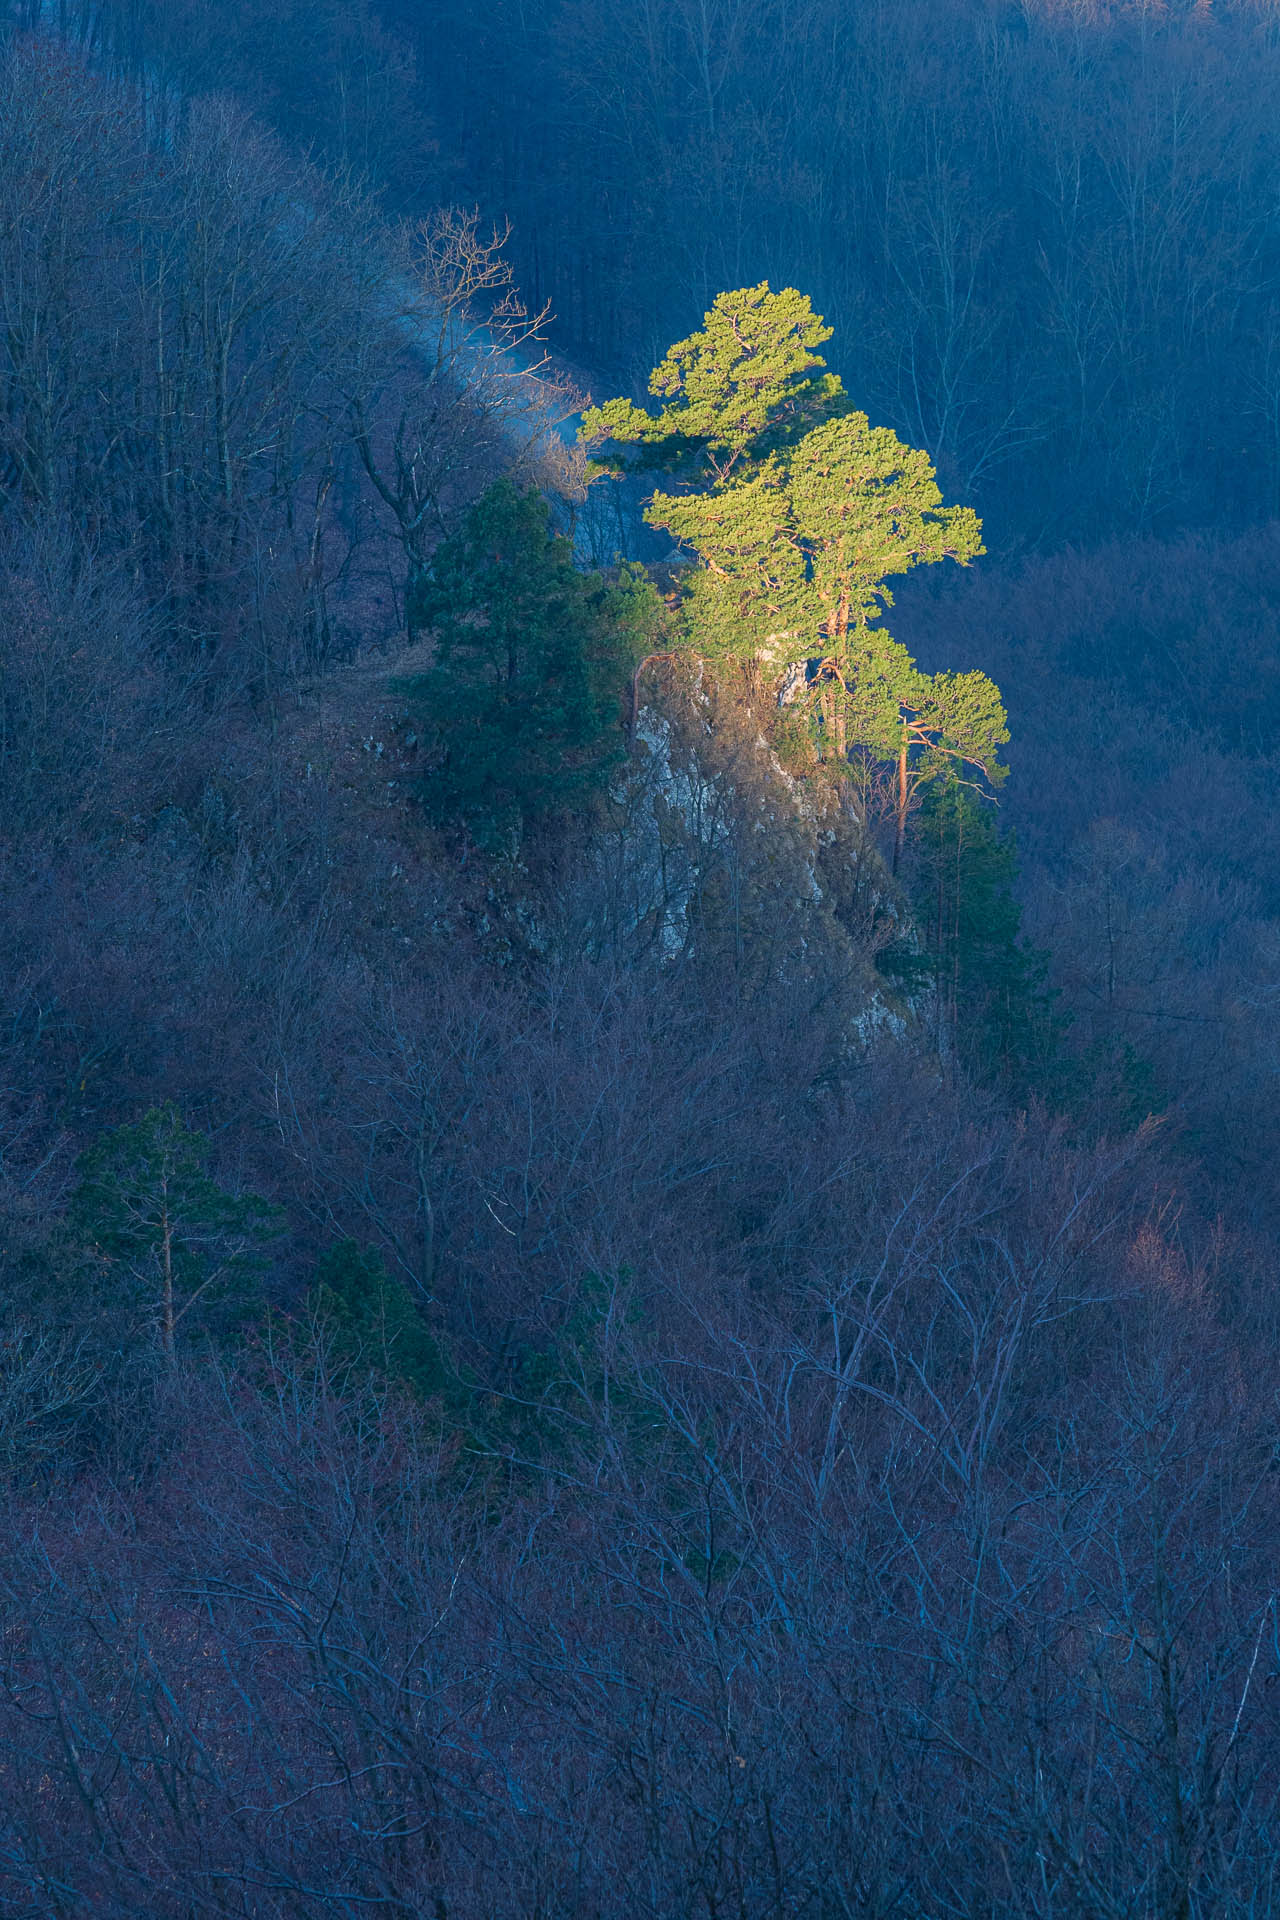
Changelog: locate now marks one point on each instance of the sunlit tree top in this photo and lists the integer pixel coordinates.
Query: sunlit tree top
(750, 377)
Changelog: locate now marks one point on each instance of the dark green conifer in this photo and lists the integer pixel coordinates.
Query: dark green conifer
(182, 1247)
(523, 704)
(373, 1323)
(991, 1001)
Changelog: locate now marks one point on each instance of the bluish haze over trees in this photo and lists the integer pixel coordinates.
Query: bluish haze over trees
(638, 1131)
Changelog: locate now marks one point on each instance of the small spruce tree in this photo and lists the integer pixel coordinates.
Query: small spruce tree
(992, 1005)
(373, 1324)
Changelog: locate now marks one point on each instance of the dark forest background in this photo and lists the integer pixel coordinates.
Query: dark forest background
(614, 1357)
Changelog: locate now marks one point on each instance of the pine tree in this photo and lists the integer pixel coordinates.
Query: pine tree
(732, 391)
(523, 702)
(800, 512)
(148, 1206)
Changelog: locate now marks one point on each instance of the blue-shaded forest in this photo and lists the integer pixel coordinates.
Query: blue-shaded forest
(639, 959)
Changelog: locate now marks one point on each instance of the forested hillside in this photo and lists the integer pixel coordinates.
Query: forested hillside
(639, 950)
(1042, 229)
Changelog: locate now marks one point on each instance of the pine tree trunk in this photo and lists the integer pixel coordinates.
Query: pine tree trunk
(900, 820)
(167, 1318)
(827, 709)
